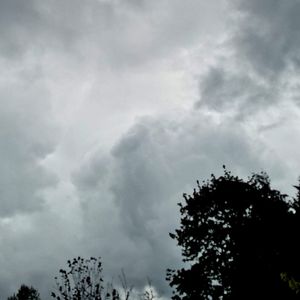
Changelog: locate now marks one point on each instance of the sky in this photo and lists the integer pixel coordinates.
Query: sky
(112, 109)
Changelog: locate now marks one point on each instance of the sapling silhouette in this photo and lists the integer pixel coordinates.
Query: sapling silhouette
(238, 237)
(84, 281)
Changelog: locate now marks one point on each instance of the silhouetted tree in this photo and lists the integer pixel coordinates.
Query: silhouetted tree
(25, 293)
(238, 237)
(84, 281)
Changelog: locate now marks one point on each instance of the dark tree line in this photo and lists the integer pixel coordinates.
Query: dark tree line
(239, 240)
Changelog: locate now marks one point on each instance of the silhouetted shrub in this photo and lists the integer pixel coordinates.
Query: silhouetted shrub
(25, 293)
(84, 281)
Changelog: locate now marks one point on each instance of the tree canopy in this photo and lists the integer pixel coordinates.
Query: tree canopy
(238, 238)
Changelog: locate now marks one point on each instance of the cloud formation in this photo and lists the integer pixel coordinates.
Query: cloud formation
(23, 118)
(129, 197)
(267, 36)
(122, 33)
(259, 64)
(28, 134)
(98, 135)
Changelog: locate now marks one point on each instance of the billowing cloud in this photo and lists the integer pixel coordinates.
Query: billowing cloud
(267, 36)
(129, 197)
(259, 62)
(222, 89)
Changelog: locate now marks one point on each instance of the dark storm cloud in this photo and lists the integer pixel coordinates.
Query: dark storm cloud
(262, 58)
(223, 89)
(155, 156)
(268, 35)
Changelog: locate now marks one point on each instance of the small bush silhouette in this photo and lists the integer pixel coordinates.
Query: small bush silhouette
(25, 293)
(84, 281)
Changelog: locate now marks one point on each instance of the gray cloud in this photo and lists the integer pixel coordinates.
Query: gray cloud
(130, 201)
(26, 137)
(268, 35)
(224, 90)
(49, 50)
(122, 33)
(261, 59)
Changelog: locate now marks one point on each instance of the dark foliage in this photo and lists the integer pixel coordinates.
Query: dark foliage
(84, 281)
(25, 293)
(238, 237)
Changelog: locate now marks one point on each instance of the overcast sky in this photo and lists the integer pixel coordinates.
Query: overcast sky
(112, 109)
